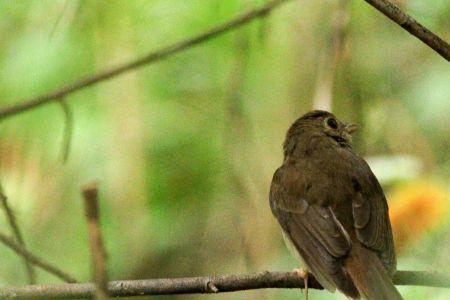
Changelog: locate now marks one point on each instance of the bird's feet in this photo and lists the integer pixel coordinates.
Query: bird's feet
(303, 274)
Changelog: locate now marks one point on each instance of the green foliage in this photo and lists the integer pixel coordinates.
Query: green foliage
(184, 149)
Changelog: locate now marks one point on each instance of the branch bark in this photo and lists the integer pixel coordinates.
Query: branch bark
(408, 23)
(200, 285)
(98, 252)
(152, 57)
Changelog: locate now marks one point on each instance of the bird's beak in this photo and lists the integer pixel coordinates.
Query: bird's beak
(351, 128)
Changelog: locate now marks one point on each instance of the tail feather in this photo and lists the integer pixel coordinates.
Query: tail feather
(369, 275)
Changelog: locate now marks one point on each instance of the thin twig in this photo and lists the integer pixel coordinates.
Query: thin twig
(201, 285)
(17, 233)
(408, 23)
(68, 130)
(58, 19)
(422, 278)
(98, 252)
(389, 9)
(147, 59)
(33, 259)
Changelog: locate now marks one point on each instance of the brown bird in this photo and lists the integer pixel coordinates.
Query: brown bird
(332, 210)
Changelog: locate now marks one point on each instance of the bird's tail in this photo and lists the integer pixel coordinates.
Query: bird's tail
(369, 275)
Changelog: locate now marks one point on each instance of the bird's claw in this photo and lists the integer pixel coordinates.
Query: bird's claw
(303, 274)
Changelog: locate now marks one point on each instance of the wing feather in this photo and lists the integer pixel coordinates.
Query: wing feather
(314, 230)
(370, 214)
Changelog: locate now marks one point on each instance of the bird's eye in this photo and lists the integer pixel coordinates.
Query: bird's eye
(332, 123)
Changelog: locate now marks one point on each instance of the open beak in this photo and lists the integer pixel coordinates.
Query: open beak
(351, 128)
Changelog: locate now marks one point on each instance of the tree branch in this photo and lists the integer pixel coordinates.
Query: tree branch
(17, 233)
(412, 26)
(68, 130)
(34, 260)
(98, 252)
(200, 285)
(422, 278)
(152, 57)
(387, 8)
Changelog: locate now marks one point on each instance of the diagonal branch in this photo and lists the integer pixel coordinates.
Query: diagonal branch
(200, 285)
(33, 259)
(412, 26)
(17, 233)
(140, 62)
(387, 8)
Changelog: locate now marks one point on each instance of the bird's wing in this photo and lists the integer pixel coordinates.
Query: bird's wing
(370, 215)
(313, 229)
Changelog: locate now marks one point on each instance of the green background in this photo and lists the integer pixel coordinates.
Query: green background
(184, 149)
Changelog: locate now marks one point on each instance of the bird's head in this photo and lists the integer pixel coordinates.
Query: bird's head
(319, 123)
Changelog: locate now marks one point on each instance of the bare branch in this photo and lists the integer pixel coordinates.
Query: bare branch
(412, 26)
(33, 259)
(140, 62)
(17, 233)
(68, 130)
(422, 278)
(201, 285)
(98, 252)
(389, 9)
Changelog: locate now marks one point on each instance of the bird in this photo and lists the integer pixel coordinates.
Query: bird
(332, 210)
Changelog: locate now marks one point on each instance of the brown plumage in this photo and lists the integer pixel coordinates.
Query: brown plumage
(332, 209)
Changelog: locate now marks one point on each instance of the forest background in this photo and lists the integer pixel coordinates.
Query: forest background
(184, 150)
